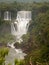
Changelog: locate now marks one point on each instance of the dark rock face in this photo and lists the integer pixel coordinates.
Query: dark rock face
(17, 45)
(2, 45)
(22, 46)
(5, 28)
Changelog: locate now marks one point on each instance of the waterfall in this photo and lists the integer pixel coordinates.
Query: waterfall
(7, 15)
(21, 23)
(13, 31)
(18, 28)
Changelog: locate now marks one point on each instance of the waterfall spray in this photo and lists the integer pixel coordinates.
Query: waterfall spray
(21, 22)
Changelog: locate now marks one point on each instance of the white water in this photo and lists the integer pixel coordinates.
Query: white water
(18, 28)
(7, 15)
(21, 23)
(14, 54)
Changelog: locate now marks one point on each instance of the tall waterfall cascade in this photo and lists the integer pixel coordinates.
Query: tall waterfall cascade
(7, 15)
(20, 25)
(18, 28)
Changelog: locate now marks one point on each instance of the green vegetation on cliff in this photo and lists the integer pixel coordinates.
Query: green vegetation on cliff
(5, 32)
(37, 43)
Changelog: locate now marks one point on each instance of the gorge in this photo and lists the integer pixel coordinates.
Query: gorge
(24, 33)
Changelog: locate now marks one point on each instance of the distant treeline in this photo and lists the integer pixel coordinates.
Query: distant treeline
(16, 6)
(34, 7)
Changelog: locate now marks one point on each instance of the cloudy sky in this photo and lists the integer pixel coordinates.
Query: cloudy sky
(23, 0)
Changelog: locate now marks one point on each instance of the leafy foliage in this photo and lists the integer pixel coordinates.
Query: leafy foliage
(3, 53)
(37, 43)
(20, 62)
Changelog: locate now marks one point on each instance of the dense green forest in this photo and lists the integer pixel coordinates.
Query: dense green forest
(36, 41)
